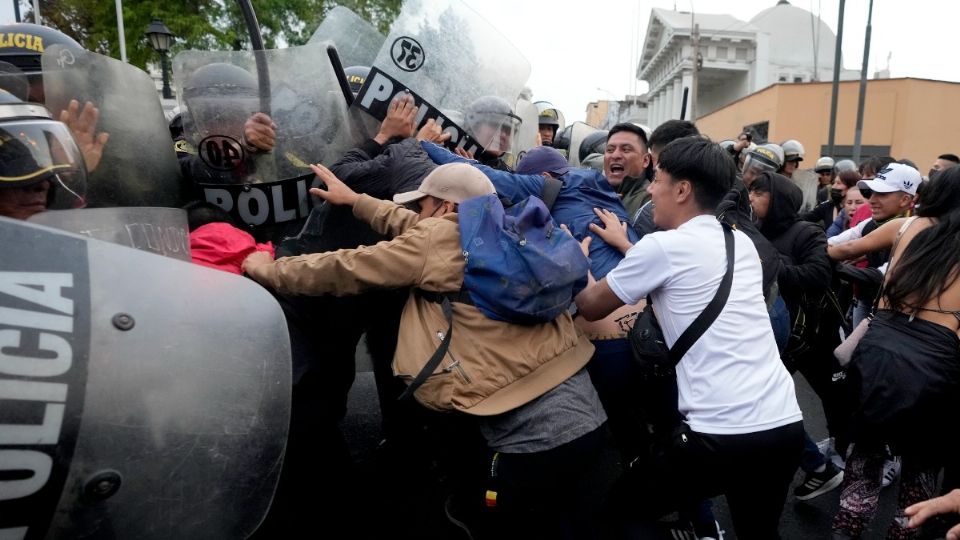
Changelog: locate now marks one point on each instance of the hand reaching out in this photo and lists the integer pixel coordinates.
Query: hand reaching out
(463, 153)
(260, 132)
(947, 504)
(431, 132)
(337, 192)
(613, 232)
(83, 126)
(400, 119)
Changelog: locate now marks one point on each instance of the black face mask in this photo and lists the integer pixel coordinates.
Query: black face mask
(836, 197)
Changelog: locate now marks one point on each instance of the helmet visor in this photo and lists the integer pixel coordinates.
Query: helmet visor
(32, 151)
(496, 131)
(757, 164)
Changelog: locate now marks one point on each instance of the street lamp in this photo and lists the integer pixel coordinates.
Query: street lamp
(160, 39)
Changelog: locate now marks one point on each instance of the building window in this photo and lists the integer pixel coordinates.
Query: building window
(760, 131)
(721, 53)
(798, 79)
(741, 53)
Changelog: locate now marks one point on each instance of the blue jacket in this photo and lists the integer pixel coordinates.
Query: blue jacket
(583, 190)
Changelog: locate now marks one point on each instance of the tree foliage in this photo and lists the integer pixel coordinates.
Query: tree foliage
(198, 24)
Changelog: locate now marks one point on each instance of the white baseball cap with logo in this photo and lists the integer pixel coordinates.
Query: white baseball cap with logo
(894, 177)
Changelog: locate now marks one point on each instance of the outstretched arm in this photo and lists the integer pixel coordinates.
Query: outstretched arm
(880, 238)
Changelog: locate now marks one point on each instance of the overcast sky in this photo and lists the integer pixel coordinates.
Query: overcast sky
(582, 54)
(587, 50)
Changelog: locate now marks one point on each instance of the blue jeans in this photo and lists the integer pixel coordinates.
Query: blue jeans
(780, 321)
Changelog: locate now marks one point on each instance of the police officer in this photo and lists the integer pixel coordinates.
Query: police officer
(41, 166)
(490, 120)
(549, 118)
(792, 156)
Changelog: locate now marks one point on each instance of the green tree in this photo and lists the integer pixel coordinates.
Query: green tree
(197, 24)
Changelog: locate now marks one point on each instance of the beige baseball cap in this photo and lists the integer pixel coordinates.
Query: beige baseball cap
(454, 182)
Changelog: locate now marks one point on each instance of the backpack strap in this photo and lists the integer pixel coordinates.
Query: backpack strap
(713, 309)
(438, 355)
(550, 191)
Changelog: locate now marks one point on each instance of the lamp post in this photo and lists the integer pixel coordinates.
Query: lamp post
(160, 39)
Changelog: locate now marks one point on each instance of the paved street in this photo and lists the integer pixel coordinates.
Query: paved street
(801, 520)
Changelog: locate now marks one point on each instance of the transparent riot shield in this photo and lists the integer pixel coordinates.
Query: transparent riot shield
(138, 166)
(578, 130)
(809, 182)
(357, 41)
(144, 397)
(529, 128)
(158, 230)
(455, 64)
(218, 92)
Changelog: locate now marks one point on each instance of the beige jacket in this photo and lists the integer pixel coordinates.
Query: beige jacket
(491, 367)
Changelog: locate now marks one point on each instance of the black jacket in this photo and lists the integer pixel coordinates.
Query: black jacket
(735, 210)
(806, 269)
(383, 171)
(821, 215)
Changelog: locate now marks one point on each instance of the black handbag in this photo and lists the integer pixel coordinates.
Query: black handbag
(654, 360)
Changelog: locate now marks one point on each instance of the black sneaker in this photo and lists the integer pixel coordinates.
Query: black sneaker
(818, 483)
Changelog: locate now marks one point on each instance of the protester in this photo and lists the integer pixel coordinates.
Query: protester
(729, 427)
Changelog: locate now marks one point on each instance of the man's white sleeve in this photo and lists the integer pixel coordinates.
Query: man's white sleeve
(644, 269)
(853, 233)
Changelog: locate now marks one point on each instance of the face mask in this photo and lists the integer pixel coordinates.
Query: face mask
(836, 197)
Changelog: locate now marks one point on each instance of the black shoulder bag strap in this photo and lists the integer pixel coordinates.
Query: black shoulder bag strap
(713, 309)
(550, 191)
(441, 351)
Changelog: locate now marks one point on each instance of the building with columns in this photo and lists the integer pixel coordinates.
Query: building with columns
(782, 43)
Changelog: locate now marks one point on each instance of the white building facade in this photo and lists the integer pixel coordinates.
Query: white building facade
(780, 44)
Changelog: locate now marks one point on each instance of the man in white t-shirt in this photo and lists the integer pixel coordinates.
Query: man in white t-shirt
(742, 433)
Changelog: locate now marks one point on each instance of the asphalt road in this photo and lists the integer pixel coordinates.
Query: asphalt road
(800, 520)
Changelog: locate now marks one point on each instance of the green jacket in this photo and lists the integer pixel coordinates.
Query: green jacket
(633, 193)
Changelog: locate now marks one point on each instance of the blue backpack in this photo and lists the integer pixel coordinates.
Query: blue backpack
(520, 267)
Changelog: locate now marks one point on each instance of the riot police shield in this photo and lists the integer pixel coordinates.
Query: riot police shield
(158, 230)
(138, 166)
(357, 41)
(218, 93)
(456, 65)
(578, 131)
(529, 129)
(144, 397)
(808, 182)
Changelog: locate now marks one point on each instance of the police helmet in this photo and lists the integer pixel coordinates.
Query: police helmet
(844, 165)
(356, 76)
(22, 44)
(495, 112)
(220, 79)
(792, 150)
(824, 165)
(764, 158)
(594, 143)
(547, 114)
(34, 148)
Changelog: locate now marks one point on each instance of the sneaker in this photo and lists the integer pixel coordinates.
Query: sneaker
(891, 470)
(818, 483)
(719, 534)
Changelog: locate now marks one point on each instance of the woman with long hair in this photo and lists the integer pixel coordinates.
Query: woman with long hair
(906, 368)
